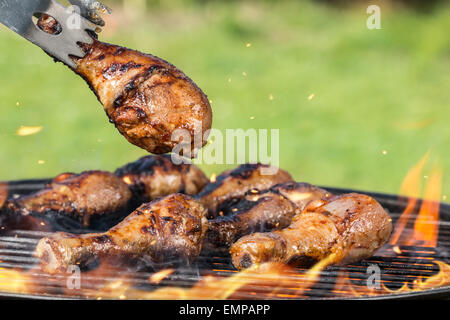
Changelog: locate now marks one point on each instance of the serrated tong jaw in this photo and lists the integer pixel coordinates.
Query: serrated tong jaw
(20, 16)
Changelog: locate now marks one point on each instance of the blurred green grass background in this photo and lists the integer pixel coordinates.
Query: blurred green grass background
(380, 97)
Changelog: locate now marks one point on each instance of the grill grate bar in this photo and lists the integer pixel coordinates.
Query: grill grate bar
(356, 272)
(19, 240)
(99, 283)
(185, 280)
(15, 252)
(389, 268)
(30, 260)
(13, 245)
(319, 290)
(419, 261)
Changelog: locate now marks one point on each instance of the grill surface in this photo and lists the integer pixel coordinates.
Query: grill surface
(16, 248)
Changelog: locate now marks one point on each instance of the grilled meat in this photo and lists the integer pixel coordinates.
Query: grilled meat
(167, 229)
(352, 227)
(260, 211)
(82, 196)
(146, 98)
(254, 213)
(232, 185)
(300, 193)
(155, 176)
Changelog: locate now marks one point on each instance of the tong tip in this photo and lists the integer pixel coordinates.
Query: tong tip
(92, 9)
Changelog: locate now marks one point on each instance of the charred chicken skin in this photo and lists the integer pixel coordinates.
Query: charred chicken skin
(79, 195)
(260, 211)
(146, 98)
(168, 229)
(155, 176)
(352, 227)
(232, 185)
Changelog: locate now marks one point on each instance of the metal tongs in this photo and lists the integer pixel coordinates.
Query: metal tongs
(75, 21)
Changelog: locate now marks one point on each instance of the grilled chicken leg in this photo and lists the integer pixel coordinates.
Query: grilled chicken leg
(146, 98)
(260, 211)
(167, 229)
(80, 196)
(232, 185)
(351, 226)
(155, 176)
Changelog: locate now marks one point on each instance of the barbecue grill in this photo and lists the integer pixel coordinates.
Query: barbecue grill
(398, 265)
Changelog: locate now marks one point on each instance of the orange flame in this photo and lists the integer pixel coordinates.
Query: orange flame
(411, 187)
(210, 287)
(160, 276)
(266, 280)
(12, 281)
(3, 193)
(426, 224)
(424, 233)
(441, 279)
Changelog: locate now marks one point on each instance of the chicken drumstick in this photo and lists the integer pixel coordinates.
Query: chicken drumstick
(260, 211)
(81, 196)
(147, 98)
(168, 229)
(352, 227)
(232, 185)
(151, 177)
